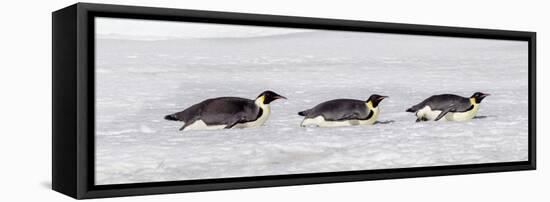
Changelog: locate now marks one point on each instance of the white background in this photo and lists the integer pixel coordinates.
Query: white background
(25, 103)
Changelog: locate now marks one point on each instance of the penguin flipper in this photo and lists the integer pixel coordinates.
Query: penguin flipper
(228, 126)
(187, 123)
(349, 116)
(234, 121)
(443, 113)
(183, 127)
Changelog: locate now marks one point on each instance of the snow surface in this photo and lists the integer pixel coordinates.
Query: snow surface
(138, 82)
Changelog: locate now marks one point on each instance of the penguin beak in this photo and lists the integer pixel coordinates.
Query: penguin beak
(382, 97)
(280, 97)
(485, 95)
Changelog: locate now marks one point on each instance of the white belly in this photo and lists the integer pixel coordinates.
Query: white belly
(200, 125)
(429, 114)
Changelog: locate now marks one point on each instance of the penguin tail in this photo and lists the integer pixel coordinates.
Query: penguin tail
(171, 117)
(410, 110)
(302, 113)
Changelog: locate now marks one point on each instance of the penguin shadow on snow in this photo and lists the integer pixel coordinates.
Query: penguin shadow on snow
(384, 122)
(482, 117)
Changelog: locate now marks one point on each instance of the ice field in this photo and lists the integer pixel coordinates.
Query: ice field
(140, 81)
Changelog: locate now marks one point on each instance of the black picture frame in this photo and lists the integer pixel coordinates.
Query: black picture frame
(73, 100)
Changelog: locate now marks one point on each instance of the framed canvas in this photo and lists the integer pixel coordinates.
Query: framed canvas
(157, 100)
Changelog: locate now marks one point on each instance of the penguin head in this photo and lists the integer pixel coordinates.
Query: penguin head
(375, 99)
(269, 96)
(478, 96)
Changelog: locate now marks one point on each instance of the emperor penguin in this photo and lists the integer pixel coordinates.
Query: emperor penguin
(343, 112)
(226, 112)
(448, 107)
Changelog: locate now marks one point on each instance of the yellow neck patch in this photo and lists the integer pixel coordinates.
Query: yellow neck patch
(473, 101)
(260, 100)
(369, 104)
